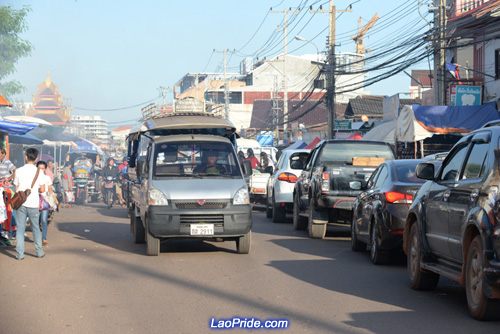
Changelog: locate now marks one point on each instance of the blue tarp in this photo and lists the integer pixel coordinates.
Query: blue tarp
(454, 119)
(26, 139)
(16, 128)
(297, 145)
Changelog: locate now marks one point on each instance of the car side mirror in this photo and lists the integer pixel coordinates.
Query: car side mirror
(247, 168)
(297, 164)
(425, 171)
(355, 185)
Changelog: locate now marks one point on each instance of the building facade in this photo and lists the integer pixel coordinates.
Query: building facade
(90, 126)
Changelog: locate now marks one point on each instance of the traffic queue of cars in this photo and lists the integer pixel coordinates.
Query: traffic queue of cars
(443, 211)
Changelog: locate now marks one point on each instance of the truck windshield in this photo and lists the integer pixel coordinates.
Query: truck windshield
(195, 159)
(346, 153)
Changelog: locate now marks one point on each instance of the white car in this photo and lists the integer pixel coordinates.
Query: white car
(280, 185)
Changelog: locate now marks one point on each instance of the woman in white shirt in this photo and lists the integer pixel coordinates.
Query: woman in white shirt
(44, 214)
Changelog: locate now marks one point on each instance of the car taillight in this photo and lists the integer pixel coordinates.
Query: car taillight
(325, 182)
(287, 177)
(398, 198)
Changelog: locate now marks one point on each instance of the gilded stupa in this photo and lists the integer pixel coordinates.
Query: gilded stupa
(48, 104)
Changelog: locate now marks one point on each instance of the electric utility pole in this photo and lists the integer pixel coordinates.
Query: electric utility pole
(285, 87)
(439, 54)
(226, 85)
(330, 92)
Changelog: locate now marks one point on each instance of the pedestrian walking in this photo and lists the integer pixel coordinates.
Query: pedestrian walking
(7, 168)
(44, 213)
(29, 177)
(49, 171)
(7, 173)
(67, 184)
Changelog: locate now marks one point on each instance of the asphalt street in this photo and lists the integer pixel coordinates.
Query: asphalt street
(94, 279)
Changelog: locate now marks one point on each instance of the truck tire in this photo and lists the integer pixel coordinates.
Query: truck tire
(299, 223)
(152, 243)
(279, 213)
(356, 245)
(269, 210)
(317, 222)
(377, 255)
(419, 280)
(243, 243)
(480, 306)
(139, 232)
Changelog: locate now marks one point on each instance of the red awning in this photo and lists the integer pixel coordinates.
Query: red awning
(3, 102)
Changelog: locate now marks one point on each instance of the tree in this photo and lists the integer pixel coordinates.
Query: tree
(12, 47)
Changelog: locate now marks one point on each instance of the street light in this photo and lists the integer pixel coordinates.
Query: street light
(300, 38)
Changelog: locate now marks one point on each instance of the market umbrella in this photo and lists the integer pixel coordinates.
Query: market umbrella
(16, 128)
(26, 139)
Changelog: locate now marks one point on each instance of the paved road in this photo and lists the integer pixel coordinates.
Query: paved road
(95, 280)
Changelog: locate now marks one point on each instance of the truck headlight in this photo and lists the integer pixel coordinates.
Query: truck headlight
(241, 197)
(157, 197)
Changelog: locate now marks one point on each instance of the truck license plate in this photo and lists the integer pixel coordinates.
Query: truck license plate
(202, 229)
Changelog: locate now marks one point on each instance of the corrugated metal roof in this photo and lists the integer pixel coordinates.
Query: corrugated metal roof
(262, 113)
(371, 106)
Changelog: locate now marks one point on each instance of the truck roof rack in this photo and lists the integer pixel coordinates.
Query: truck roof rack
(155, 111)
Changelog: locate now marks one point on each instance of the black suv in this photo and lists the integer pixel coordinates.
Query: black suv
(453, 226)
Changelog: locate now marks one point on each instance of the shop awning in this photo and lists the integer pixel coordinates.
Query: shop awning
(16, 128)
(4, 103)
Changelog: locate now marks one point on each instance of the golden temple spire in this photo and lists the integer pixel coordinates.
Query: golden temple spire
(48, 81)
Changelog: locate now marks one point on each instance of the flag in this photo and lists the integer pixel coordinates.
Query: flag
(453, 68)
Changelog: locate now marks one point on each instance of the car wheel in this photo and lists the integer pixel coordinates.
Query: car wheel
(377, 255)
(279, 213)
(299, 223)
(419, 280)
(269, 210)
(152, 243)
(243, 243)
(316, 222)
(356, 245)
(480, 306)
(139, 232)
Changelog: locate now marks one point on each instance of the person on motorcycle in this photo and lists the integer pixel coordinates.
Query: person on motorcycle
(112, 170)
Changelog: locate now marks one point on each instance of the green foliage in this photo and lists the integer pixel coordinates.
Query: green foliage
(12, 47)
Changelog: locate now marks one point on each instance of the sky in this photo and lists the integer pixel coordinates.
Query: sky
(116, 54)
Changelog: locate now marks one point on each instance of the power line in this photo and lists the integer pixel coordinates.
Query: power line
(116, 109)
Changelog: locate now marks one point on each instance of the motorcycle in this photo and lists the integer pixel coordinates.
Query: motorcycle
(109, 190)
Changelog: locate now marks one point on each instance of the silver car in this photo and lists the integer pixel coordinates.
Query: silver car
(280, 185)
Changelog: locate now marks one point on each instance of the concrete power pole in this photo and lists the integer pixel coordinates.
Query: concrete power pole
(330, 92)
(226, 85)
(439, 52)
(285, 86)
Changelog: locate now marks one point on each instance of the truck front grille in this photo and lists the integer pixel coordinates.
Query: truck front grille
(195, 205)
(196, 219)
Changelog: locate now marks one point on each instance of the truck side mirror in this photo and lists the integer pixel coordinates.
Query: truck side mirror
(142, 168)
(247, 168)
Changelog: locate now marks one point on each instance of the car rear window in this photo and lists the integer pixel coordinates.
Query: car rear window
(344, 153)
(406, 174)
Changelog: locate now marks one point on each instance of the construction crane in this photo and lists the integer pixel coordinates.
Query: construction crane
(358, 39)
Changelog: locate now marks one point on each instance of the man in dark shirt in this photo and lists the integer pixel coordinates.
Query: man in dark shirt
(112, 170)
